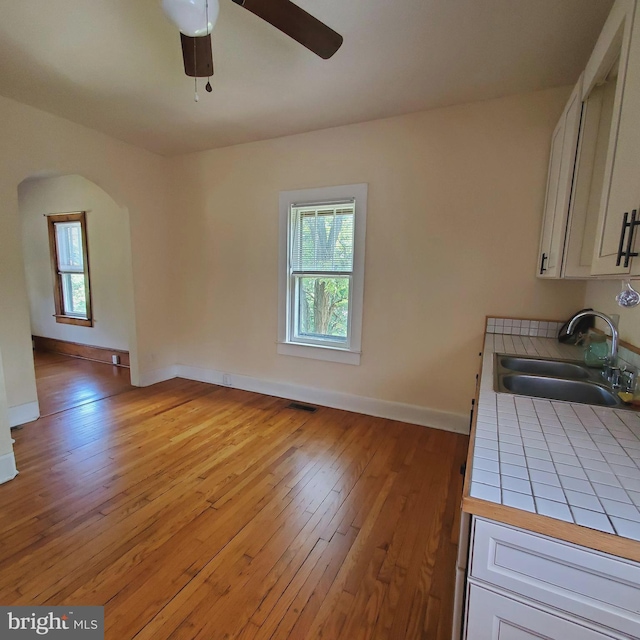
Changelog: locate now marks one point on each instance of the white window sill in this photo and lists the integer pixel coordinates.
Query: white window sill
(317, 352)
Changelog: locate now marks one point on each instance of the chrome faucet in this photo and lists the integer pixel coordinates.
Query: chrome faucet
(613, 359)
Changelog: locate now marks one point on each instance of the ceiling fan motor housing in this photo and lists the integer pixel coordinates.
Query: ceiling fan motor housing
(197, 56)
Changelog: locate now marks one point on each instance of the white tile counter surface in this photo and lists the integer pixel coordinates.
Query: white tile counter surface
(572, 462)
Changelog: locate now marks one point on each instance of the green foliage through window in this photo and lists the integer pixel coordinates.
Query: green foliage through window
(323, 307)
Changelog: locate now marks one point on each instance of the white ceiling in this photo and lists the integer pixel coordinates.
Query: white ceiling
(116, 65)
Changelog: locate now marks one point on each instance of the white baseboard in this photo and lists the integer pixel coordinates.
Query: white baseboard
(8, 469)
(147, 378)
(23, 413)
(459, 423)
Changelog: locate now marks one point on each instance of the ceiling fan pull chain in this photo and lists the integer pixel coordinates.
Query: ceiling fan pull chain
(196, 97)
(206, 9)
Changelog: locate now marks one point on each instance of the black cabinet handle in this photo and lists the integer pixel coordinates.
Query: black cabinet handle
(632, 227)
(623, 232)
(542, 261)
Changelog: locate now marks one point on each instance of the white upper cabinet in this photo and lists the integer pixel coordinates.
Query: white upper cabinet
(559, 181)
(616, 61)
(588, 180)
(593, 187)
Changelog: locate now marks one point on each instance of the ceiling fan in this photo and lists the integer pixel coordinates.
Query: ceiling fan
(196, 19)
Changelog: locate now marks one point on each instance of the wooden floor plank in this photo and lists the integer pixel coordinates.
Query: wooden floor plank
(195, 511)
(64, 387)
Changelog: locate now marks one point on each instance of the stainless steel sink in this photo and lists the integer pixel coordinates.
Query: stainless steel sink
(568, 381)
(540, 367)
(559, 389)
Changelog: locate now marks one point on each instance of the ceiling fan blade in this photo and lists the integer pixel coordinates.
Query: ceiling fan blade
(296, 23)
(197, 56)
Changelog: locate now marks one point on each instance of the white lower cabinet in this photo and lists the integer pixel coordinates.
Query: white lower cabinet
(460, 588)
(525, 585)
(494, 616)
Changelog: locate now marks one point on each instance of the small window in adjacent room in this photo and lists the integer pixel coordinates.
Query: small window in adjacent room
(70, 264)
(322, 238)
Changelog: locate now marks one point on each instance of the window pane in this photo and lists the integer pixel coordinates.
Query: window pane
(74, 298)
(323, 240)
(69, 245)
(323, 307)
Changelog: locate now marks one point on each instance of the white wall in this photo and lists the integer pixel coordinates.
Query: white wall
(34, 142)
(109, 251)
(455, 202)
(601, 296)
(7, 460)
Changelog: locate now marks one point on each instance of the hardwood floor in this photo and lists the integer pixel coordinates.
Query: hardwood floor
(195, 511)
(64, 382)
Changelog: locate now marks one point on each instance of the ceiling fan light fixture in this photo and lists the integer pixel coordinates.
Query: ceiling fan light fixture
(190, 16)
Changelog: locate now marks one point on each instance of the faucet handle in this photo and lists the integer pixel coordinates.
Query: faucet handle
(628, 380)
(612, 374)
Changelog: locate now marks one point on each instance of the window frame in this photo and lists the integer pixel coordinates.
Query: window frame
(306, 347)
(58, 296)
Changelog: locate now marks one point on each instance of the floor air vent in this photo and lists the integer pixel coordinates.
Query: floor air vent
(302, 407)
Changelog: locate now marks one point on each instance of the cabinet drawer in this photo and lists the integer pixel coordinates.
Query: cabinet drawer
(574, 579)
(493, 616)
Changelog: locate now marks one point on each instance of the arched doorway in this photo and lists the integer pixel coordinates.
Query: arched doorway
(109, 256)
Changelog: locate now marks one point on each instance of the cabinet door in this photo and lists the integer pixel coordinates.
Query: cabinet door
(559, 180)
(493, 616)
(576, 581)
(593, 143)
(619, 47)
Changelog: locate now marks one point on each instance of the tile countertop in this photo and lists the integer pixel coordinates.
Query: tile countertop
(573, 464)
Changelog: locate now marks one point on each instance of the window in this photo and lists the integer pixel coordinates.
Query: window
(322, 233)
(70, 263)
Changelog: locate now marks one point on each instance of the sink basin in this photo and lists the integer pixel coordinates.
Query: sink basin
(565, 380)
(540, 367)
(558, 389)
